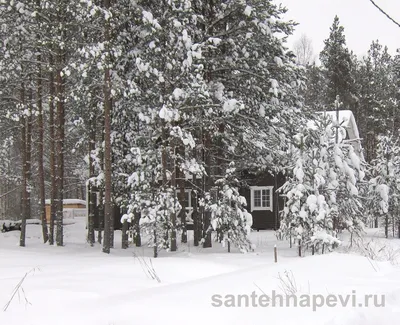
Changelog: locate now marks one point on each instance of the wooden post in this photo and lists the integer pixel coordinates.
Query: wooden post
(276, 254)
(300, 247)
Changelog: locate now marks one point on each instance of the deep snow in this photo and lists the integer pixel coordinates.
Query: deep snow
(77, 284)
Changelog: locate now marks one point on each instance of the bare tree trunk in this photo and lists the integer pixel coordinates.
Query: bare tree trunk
(91, 214)
(24, 172)
(136, 225)
(99, 236)
(393, 226)
(29, 154)
(164, 156)
(53, 161)
(398, 229)
(60, 153)
(108, 224)
(206, 187)
(112, 220)
(155, 235)
(181, 198)
(386, 226)
(195, 213)
(60, 161)
(155, 248)
(42, 189)
(125, 228)
(173, 215)
(91, 195)
(299, 247)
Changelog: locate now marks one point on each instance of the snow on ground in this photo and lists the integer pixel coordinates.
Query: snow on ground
(77, 284)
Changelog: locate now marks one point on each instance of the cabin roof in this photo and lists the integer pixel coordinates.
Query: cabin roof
(349, 129)
(69, 201)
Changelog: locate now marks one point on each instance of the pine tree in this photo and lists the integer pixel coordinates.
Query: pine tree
(316, 88)
(336, 60)
(384, 186)
(376, 92)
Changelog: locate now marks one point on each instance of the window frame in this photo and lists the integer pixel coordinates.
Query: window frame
(271, 198)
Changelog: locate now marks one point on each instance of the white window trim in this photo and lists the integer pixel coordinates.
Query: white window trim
(189, 192)
(189, 208)
(271, 197)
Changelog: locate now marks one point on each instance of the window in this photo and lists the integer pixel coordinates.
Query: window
(261, 198)
(188, 199)
(188, 203)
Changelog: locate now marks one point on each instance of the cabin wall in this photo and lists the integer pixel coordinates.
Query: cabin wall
(65, 206)
(264, 219)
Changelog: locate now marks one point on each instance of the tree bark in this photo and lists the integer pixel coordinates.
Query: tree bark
(136, 225)
(60, 135)
(206, 187)
(125, 228)
(91, 195)
(24, 172)
(42, 189)
(181, 197)
(195, 213)
(108, 224)
(53, 161)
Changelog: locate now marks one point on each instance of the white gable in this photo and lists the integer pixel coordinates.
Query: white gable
(348, 122)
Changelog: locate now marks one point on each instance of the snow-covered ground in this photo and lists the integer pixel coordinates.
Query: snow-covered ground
(77, 284)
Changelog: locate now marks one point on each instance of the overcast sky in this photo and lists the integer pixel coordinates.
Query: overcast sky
(361, 20)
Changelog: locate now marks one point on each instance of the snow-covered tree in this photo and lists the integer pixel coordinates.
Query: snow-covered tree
(322, 194)
(385, 185)
(229, 217)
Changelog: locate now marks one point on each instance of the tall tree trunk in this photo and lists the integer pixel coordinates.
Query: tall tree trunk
(29, 154)
(60, 135)
(91, 194)
(173, 214)
(24, 172)
(108, 224)
(53, 162)
(195, 213)
(181, 197)
(91, 214)
(42, 189)
(206, 187)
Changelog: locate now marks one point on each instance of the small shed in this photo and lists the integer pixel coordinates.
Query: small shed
(72, 208)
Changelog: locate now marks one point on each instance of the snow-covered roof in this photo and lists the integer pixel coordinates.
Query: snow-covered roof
(70, 201)
(348, 122)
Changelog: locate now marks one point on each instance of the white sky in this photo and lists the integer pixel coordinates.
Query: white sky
(362, 22)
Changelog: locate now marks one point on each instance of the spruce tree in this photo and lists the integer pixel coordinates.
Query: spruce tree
(323, 189)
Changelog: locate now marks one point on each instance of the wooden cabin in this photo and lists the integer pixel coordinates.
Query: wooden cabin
(258, 187)
(260, 191)
(73, 208)
(263, 201)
